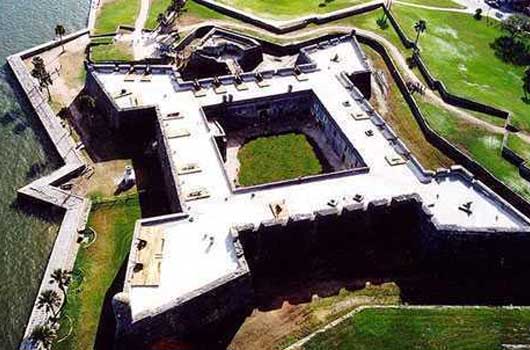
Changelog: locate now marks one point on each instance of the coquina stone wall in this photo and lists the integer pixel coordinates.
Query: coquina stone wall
(401, 223)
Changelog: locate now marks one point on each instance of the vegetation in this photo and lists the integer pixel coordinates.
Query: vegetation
(112, 52)
(419, 27)
(275, 158)
(480, 144)
(400, 118)
(43, 336)
(293, 322)
(482, 328)
(114, 13)
(96, 268)
(50, 301)
(436, 3)
(457, 50)
(156, 8)
(40, 73)
(59, 33)
(287, 9)
(519, 146)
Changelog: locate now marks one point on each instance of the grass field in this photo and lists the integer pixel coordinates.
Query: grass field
(155, 8)
(436, 3)
(288, 9)
(516, 144)
(456, 48)
(116, 12)
(99, 265)
(292, 322)
(112, 52)
(275, 158)
(480, 144)
(462, 329)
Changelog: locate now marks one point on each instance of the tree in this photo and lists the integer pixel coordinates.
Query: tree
(40, 73)
(478, 14)
(43, 336)
(50, 301)
(161, 19)
(516, 24)
(526, 83)
(419, 27)
(63, 279)
(60, 32)
(177, 6)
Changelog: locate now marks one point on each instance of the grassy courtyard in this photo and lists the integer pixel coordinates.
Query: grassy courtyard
(480, 329)
(114, 13)
(276, 158)
(95, 270)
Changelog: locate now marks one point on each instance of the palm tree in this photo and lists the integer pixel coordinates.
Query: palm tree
(60, 32)
(419, 27)
(43, 336)
(63, 279)
(177, 6)
(41, 74)
(526, 83)
(161, 19)
(50, 301)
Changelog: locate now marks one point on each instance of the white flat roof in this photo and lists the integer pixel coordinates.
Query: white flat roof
(187, 265)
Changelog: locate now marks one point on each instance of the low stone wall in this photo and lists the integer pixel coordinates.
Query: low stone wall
(452, 99)
(438, 85)
(289, 26)
(76, 208)
(440, 142)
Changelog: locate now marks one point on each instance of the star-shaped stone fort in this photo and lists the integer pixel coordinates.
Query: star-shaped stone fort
(195, 267)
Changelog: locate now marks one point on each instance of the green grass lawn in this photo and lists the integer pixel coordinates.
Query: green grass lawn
(116, 12)
(111, 52)
(478, 143)
(275, 158)
(456, 48)
(99, 265)
(436, 3)
(519, 146)
(403, 329)
(155, 8)
(288, 9)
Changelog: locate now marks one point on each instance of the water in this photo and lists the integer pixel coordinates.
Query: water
(26, 234)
